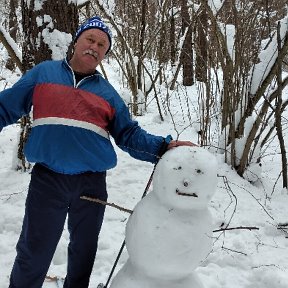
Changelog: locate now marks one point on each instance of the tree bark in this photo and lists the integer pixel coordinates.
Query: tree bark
(201, 47)
(13, 26)
(64, 17)
(278, 116)
(187, 52)
(172, 37)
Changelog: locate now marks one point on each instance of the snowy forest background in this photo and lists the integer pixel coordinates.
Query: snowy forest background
(210, 71)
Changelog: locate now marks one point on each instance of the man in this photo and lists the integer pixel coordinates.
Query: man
(74, 112)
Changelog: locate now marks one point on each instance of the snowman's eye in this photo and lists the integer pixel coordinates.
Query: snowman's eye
(198, 171)
(185, 183)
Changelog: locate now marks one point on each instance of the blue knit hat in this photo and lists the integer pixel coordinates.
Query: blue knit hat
(95, 23)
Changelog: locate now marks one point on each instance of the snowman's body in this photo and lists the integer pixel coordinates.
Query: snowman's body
(169, 232)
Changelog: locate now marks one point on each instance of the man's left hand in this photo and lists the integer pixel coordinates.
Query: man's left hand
(176, 143)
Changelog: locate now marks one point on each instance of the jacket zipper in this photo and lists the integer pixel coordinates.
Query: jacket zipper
(76, 85)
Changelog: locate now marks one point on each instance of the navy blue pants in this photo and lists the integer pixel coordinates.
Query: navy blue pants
(51, 198)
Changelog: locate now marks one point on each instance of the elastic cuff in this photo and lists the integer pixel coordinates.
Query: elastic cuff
(164, 145)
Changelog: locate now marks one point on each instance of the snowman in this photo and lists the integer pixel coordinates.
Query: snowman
(169, 233)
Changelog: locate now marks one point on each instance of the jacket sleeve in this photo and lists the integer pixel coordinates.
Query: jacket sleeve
(130, 137)
(16, 101)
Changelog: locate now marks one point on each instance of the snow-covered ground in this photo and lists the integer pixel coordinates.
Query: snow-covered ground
(240, 258)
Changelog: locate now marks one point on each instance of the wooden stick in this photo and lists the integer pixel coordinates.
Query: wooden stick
(237, 228)
(106, 203)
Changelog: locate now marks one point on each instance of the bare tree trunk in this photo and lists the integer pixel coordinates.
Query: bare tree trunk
(278, 116)
(141, 44)
(187, 52)
(62, 16)
(140, 59)
(13, 26)
(201, 48)
(172, 35)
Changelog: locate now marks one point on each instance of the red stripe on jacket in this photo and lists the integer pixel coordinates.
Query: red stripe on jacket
(55, 100)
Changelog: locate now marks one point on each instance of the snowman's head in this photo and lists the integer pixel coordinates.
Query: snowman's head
(185, 178)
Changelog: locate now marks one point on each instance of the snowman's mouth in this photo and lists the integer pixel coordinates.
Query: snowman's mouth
(186, 194)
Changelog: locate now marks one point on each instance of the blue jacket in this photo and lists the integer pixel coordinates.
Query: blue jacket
(72, 123)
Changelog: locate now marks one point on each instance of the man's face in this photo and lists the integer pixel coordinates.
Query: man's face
(90, 50)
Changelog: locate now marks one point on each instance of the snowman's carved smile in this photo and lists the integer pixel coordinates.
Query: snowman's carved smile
(186, 194)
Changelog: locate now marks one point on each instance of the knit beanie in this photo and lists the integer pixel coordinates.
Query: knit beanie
(95, 23)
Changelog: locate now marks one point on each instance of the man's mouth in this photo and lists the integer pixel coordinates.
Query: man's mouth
(92, 53)
(186, 194)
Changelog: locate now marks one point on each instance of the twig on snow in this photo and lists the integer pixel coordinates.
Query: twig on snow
(236, 228)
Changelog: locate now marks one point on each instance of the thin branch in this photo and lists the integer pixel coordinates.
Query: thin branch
(232, 250)
(236, 228)
(106, 203)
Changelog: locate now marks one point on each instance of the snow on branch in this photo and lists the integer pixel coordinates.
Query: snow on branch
(269, 57)
(79, 3)
(215, 5)
(11, 46)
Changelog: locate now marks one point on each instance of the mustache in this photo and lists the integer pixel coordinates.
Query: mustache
(91, 52)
